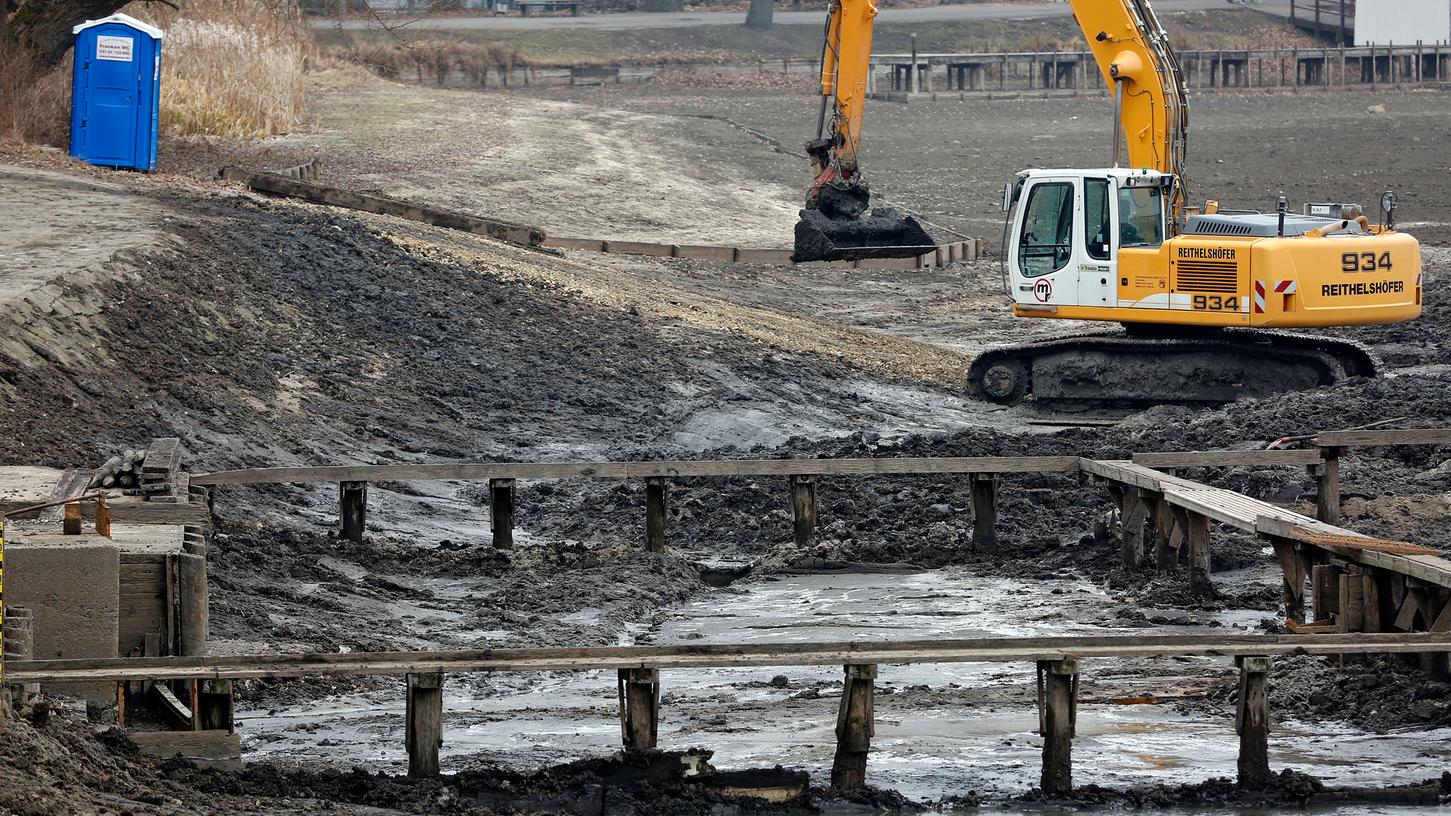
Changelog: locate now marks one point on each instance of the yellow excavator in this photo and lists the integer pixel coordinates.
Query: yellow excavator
(1194, 288)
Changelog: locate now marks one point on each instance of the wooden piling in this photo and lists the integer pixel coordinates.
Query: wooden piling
(212, 708)
(984, 509)
(1162, 516)
(1252, 721)
(1324, 591)
(1292, 568)
(71, 519)
(1351, 601)
(1327, 486)
(1057, 719)
(423, 732)
(192, 606)
(501, 511)
(803, 510)
(1196, 532)
(352, 509)
(639, 691)
(1135, 511)
(1372, 596)
(854, 727)
(655, 514)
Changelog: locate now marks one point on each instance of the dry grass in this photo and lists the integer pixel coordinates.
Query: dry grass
(229, 67)
(437, 60)
(34, 100)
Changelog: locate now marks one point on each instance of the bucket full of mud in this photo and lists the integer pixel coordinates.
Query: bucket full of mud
(884, 233)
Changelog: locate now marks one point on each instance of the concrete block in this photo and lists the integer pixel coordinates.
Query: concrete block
(586, 244)
(638, 248)
(72, 586)
(705, 253)
(763, 256)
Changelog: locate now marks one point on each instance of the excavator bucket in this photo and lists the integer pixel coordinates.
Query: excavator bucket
(885, 233)
(835, 229)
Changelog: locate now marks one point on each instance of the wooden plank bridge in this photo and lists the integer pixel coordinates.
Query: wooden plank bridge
(638, 668)
(1365, 595)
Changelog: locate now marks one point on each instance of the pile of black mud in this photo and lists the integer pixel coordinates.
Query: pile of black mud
(1287, 789)
(885, 233)
(625, 784)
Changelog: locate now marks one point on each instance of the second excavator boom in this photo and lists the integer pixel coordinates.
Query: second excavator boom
(835, 224)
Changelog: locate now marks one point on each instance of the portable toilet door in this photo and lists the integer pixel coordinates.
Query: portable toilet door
(116, 92)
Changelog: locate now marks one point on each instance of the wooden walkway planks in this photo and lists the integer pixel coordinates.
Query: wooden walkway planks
(714, 656)
(1252, 458)
(628, 470)
(1371, 438)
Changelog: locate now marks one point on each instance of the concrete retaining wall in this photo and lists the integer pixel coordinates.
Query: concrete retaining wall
(71, 584)
(966, 250)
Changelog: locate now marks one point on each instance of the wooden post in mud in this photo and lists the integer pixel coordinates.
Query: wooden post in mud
(423, 734)
(655, 514)
(854, 727)
(1057, 721)
(1252, 721)
(639, 708)
(1292, 568)
(1351, 601)
(1324, 591)
(803, 510)
(1327, 486)
(501, 511)
(1196, 533)
(1165, 549)
(1133, 512)
(984, 509)
(353, 509)
(213, 706)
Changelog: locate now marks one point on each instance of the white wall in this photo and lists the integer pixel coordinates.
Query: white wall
(1402, 22)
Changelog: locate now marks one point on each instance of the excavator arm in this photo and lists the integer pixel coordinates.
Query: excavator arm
(834, 225)
(1151, 112)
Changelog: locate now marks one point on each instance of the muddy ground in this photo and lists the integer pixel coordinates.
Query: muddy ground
(264, 332)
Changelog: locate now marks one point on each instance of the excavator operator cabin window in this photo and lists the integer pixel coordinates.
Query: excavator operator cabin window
(1047, 240)
(1140, 216)
(1096, 222)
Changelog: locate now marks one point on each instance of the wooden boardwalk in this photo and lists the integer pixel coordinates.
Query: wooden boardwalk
(638, 677)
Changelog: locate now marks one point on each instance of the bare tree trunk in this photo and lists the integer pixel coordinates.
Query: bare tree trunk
(760, 14)
(45, 25)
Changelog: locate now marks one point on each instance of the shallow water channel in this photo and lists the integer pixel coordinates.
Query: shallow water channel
(941, 729)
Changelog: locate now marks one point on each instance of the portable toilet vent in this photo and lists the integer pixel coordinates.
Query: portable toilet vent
(115, 94)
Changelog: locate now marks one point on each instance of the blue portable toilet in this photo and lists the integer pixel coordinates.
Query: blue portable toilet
(116, 92)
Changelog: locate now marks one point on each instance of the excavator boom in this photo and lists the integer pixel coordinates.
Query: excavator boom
(1151, 112)
(832, 226)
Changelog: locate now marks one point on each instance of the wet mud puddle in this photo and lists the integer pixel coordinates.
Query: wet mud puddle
(942, 729)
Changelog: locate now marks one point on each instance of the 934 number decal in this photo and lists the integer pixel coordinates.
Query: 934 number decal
(1216, 303)
(1364, 261)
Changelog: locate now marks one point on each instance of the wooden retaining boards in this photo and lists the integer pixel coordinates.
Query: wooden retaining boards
(987, 650)
(1253, 458)
(942, 256)
(1371, 438)
(332, 196)
(627, 470)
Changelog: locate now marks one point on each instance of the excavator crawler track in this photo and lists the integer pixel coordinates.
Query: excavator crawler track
(1122, 368)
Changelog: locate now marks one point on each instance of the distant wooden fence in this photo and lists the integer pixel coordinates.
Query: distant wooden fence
(943, 255)
(963, 75)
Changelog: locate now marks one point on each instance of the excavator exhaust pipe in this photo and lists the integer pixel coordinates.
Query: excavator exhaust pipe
(836, 227)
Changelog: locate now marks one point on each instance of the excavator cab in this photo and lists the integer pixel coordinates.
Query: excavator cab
(1071, 227)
